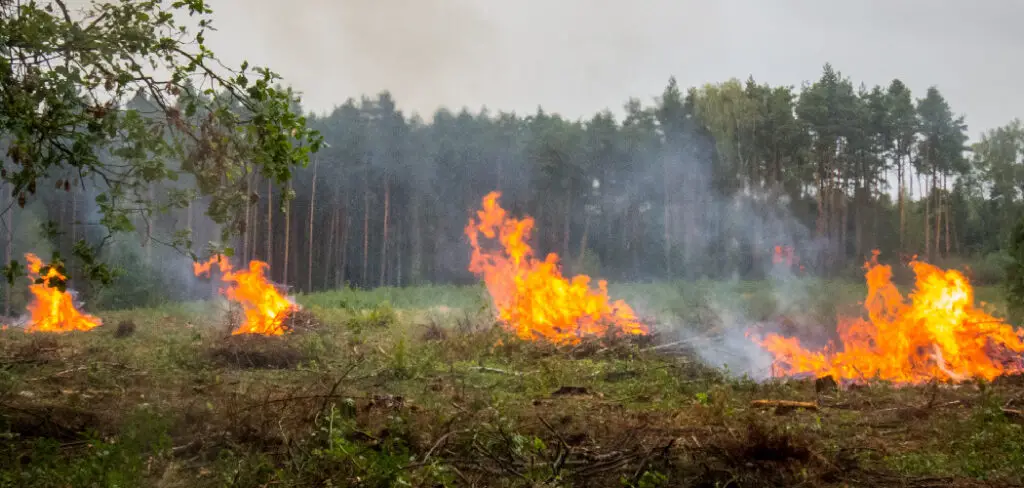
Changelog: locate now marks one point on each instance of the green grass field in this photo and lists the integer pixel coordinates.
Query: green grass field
(420, 387)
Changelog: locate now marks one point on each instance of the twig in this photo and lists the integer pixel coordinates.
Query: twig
(486, 369)
(334, 388)
(671, 344)
(437, 444)
(290, 399)
(563, 448)
(647, 459)
(1013, 413)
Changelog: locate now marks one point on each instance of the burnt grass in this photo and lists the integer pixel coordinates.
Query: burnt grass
(454, 401)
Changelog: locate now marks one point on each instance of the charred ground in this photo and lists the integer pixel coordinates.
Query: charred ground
(430, 392)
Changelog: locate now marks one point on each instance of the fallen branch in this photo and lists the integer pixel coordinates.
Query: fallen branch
(1013, 413)
(78, 369)
(784, 405)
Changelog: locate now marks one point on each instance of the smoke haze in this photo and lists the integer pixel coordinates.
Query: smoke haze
(577, 57)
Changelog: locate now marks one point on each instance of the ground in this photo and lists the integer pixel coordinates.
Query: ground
(420, 387)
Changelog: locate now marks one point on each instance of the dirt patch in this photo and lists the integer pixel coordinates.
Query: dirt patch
(251, 351)
(125, 329)
(50, 421)
(434, 332)
(764, 455)
(38, 349)
(1012, 380)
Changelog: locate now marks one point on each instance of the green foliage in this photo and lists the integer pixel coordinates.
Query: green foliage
(113, 124)
(121, 461)
(381, 315)
(1015, 273)
(379, 466)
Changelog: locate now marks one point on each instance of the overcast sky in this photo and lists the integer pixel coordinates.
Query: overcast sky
(577, 57)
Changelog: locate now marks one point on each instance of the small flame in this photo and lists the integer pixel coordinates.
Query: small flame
(785, 258)
(264, 306)
(532, 297)
(785, 255)
(53, 310)
(937, 334)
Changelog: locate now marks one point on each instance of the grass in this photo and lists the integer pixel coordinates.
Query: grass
(419, 387)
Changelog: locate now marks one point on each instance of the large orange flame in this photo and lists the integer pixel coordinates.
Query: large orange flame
(264, 306)
(51, 309)
(532, 297)
(937, 334)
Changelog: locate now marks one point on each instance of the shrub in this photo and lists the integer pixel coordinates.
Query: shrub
(1015, 273)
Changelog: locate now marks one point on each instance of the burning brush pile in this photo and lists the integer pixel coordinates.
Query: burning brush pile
(52, 307)
(936, 333)
(532, 298)
(266, 313)
(266, 310)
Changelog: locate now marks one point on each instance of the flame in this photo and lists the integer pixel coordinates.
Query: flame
(53, 310)
(264, 306)
(532, 297)
(784, 255)
(936, 334)
(785, 258)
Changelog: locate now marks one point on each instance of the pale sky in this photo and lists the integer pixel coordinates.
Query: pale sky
(578, 57)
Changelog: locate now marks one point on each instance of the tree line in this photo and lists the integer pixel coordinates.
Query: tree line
(699, 183)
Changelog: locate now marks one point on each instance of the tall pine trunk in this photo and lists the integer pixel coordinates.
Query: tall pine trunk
(328, 252)
(384, 230)
(583, 238)
(567, 223)
(366, 223)
(666, 219)
(416, 259)
(938, 212)
(188, 220)
(149, 227)
(270, 221)
(247, 222)
(8, 217)
(346, 225)
(900, 199)
(287, 236)
(948, 211)
(398, 256)
(309, 237)
(927, 219)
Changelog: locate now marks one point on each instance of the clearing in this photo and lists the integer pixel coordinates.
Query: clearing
(420, 387)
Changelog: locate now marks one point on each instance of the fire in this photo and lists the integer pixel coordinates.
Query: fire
(264, 306)
(532, 297)
(53, 310)
(936, 334)
(784, 255)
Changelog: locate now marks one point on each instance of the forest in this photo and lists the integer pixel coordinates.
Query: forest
(702, 182)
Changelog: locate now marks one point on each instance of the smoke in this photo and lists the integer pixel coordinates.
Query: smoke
(420, 50)
(731, 230)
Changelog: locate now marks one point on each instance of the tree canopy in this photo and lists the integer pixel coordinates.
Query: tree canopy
(119, 96)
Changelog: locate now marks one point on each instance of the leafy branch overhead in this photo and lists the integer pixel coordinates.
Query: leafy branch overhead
(119, 96)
